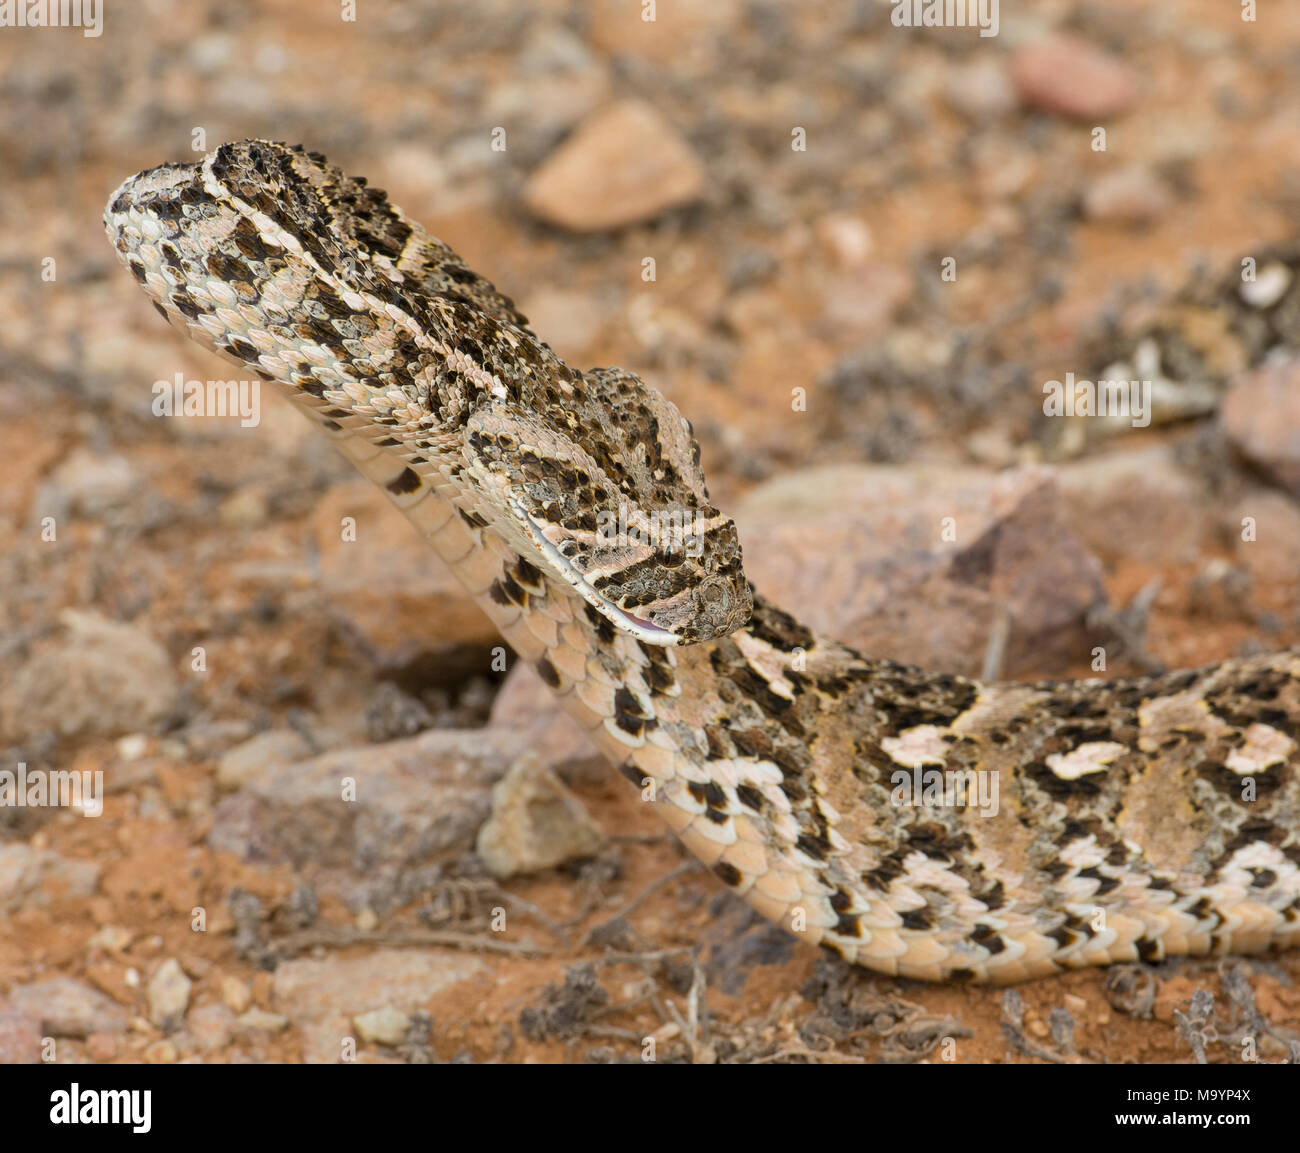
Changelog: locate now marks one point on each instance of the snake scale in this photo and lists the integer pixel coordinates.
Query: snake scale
(1140, 818)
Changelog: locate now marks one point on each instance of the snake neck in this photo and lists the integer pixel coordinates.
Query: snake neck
(922, 825)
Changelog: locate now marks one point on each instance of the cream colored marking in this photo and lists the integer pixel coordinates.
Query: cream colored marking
(766, 662)
(990, 708)
(1265, 746)
(917, 746)
(1092, 757)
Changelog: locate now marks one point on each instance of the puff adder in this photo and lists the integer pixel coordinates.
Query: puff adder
(1137, 818)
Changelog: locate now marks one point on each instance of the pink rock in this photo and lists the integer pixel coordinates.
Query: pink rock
(624, 165)
(1262, 418)
(917, 563)
(1072, 78)
(20, 1037)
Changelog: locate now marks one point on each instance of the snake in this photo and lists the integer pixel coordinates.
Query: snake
(1137, 819)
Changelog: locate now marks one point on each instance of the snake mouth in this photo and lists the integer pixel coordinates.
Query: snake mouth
(639, 623)
(628, 622)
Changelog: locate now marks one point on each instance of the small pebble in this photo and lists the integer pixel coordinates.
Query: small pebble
(236, 994)
(160, 1053)
(386, 1026)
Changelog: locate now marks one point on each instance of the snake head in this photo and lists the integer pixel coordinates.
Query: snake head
(604, 490)
(277, 260)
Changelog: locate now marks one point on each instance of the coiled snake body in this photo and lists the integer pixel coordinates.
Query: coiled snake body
(1138, 818)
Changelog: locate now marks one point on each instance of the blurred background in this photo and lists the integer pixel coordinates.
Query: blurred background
(850, 252)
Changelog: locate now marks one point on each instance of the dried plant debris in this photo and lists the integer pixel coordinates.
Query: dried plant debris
(851, 1007)
(565, 1010)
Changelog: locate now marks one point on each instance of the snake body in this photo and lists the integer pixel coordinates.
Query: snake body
(1138, 818)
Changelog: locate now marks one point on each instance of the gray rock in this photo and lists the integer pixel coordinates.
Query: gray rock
(257, 755)
(417, 801)
(96, 676)
(67, 1007)
(536, 823)
(400, 979)
(169, 995)
(31, 877)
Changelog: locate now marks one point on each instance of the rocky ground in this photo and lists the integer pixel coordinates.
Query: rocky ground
(178, 611)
